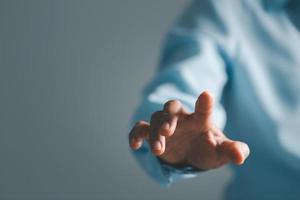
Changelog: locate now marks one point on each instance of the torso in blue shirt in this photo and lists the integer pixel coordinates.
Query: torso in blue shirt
(262, 103)
(247, 53)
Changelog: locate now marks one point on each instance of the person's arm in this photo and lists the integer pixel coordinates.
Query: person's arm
(192, 61)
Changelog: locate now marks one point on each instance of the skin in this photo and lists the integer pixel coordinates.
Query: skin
(181, 138)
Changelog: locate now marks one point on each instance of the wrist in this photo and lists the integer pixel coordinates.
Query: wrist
(183, 166)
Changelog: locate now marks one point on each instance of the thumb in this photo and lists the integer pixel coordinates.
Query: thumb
(234, 151)
(204, 109)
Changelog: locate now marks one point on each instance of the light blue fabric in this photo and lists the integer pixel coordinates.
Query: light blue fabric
(247, 53)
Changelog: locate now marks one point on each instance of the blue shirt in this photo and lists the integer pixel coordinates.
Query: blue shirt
(247, 54)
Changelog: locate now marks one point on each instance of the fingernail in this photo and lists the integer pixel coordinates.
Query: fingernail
(156, 145)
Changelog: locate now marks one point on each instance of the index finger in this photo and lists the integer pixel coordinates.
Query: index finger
(204, 109)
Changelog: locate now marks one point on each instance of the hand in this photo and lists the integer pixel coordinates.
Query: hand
(181, 138)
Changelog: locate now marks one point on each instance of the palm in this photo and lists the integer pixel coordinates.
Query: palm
(203, 143)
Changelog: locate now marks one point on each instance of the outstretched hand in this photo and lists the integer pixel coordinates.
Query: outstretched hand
(182, 138)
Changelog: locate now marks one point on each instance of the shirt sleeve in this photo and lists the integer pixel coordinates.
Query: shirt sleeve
(192, 61)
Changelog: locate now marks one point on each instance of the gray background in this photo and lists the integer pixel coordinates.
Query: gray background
(71, 73)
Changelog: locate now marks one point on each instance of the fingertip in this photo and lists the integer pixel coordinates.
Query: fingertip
(240, 152)
(157, 152)
(206, 95)
(206, 92)
(172, 107)
(239, 159)
(135, 143)
(204, 103)
(157, 148)
(245, 150)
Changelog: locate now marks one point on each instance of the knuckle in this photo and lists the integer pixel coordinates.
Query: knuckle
(208, 138)
(207, 134)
